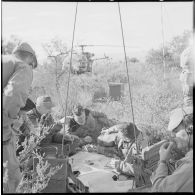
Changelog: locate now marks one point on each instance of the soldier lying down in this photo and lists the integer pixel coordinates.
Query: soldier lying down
(123, 137)
(84, 123)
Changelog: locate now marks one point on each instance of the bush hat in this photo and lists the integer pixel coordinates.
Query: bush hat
(27, 48)
(177, 115)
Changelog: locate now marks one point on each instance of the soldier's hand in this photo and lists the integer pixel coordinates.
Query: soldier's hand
(104, 132)
(165, 151)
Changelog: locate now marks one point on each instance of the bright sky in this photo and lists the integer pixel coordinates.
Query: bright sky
(97, 23)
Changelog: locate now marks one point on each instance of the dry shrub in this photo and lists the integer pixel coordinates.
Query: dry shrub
(152, 97)
(34, 177)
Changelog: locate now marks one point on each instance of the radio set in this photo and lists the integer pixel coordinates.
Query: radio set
(146, 162)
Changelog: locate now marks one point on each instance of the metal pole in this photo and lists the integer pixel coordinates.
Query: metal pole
(163, 45)
(69, 80)
(62, 151)
(128, 78)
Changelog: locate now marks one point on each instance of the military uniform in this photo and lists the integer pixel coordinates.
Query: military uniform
(34, 118)
(123, 137)
(181, 180)
(55, 134)
(17, 79)
(91, 126)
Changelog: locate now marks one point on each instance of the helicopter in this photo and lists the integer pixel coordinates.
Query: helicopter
(82, 62)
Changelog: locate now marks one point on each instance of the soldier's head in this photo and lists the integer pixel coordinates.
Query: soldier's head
(127, 131)
(79, 114)
(126, 136)
(25, 52)
(44, 104)
(181, 126)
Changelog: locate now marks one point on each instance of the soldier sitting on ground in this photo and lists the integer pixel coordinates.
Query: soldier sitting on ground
(181, 180)
(85, 122)
(181, 125)
(40, 116)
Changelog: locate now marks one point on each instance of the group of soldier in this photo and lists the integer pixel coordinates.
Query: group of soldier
(85, 126)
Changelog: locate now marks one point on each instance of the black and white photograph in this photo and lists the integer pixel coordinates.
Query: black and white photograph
(97, 97)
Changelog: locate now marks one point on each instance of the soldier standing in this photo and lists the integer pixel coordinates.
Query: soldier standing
(17, 80)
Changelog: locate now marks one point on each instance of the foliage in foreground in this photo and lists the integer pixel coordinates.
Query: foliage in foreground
(36, 171)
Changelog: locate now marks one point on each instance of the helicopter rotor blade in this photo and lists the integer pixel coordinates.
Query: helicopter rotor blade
(106, 46)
